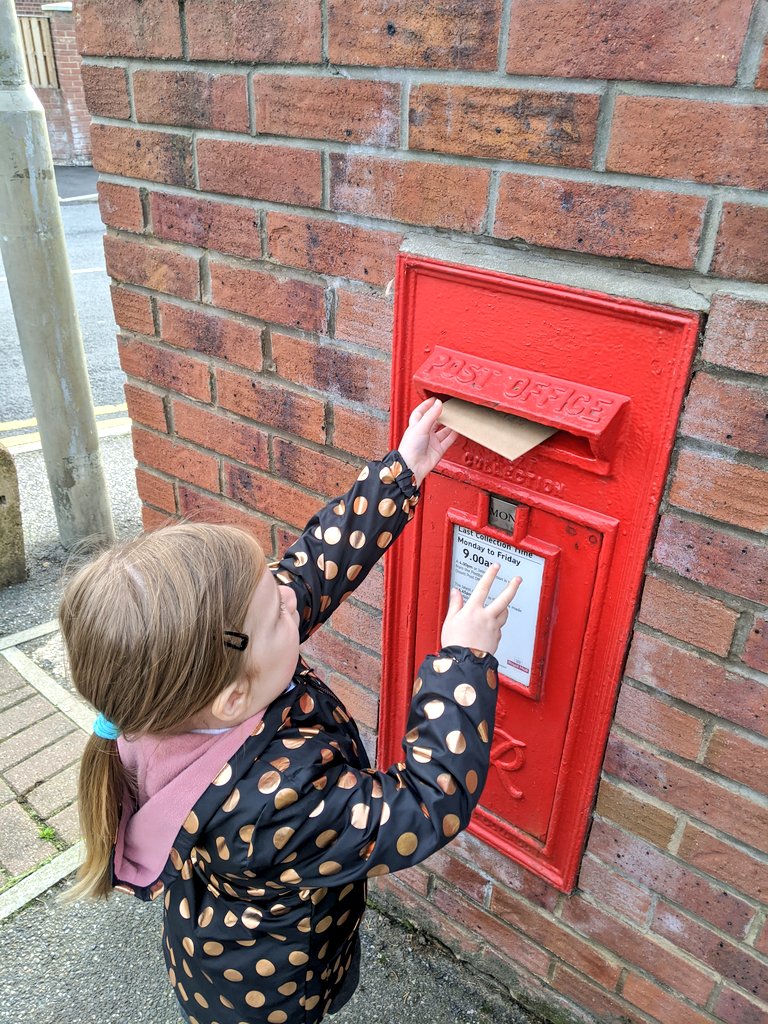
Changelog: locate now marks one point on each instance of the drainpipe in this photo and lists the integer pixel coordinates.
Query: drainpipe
(39, 280)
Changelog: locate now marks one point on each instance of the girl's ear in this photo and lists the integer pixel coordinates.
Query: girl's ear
(231, 702)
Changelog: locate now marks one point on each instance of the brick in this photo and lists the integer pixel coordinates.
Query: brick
(343, 656)
(740, 249)
(120, 206)
(652, 999)
(56, 793)
(364, 318)
(727, 958)
(223, 337)
(391, 887)
(152, 266)
(638, 949)
(635, 814)
(358, 433)
(21, 847)
(737, 334)
(593, 999)
(555, 938)
(436, 195)
(193, 99)
(154, 490)
(755, 652)
(277, 173)
(761, 942)
(24, 714)
(659, 872)
(728, 413)
(698, 681)
(495, 933)
(146, 407)
(271, 497)
(128, 30)
(607, 220)
(151, 519)
(205, 224)
(501, 869)
(267, 402)
(717, 143)
(332, 369)
(689, 791)
(525, 125)
(372, 589)
(330, 247)
(165, 368)
(722, 489)
(455, 34)
(739, 758)
(254, 31)
(176, 460)
(761, 82)
(23, 744)
(221, 434)
(363, 625)
(143, 153)
(342, 109)
(67, 824)
(615, 892)
(133, 310)
(455, 872)
(732, 1007)
(361, 704)
(106, 91)
(732, 865)
(710, 556)
(647, 41)
(40, 766)
(310, 468)
(688, 615)
(205, 508)
(660, 723)
(269, 297)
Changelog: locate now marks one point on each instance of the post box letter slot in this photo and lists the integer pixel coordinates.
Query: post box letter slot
(584, 411)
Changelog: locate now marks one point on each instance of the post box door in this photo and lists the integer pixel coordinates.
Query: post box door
(537, 688)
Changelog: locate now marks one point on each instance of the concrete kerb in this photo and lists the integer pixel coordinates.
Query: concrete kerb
(60, 866)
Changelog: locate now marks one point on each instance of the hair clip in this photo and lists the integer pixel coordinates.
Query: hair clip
(240, 641)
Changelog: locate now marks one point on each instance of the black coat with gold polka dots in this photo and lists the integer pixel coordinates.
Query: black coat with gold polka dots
(265, 886)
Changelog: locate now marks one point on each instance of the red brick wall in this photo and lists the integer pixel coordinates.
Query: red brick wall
(66, 112)
(260, 163)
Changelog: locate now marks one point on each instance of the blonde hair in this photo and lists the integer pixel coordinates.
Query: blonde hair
(143, 625)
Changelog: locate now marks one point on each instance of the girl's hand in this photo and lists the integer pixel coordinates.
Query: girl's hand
(476, 624)
(424, 443)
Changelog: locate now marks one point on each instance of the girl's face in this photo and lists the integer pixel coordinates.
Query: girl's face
(272, 623)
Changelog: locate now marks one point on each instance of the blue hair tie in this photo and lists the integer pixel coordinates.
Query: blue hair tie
(105, 729)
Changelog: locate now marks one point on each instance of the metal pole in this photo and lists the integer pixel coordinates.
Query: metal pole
(36, 266)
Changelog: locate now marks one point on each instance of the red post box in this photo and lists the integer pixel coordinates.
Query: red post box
(573, 517)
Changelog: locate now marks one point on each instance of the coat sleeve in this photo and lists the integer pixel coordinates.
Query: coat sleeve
(330, 823)
(343, 541)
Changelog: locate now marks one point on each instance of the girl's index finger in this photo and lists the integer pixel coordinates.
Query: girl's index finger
(504, 599)
(483, 585)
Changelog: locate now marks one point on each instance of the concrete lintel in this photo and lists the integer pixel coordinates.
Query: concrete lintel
(625, 283)
(65, 7)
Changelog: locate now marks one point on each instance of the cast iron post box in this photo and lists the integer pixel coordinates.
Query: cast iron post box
(573, 517)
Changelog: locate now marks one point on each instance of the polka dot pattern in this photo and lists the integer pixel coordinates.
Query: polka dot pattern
(264, 888)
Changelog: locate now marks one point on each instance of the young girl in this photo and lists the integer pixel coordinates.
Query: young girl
(225, 776)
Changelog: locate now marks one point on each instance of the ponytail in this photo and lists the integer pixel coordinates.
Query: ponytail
(102, 786)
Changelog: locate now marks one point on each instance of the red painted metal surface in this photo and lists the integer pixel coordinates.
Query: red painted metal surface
(610, 375)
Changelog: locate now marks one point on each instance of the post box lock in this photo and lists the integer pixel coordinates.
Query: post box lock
(573, 517)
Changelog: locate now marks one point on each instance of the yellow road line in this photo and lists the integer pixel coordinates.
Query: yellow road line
(31, 442)
(100, 410)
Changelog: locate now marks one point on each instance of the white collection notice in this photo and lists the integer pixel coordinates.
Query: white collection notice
(473, 553)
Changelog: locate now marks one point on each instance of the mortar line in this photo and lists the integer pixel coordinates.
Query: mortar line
(709, 230)
(47, 687)
(603, 131)
(503, 51)
(752, 51)
(405, 105)
(494, 187)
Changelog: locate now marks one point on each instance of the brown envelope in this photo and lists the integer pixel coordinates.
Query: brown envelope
(506, 435)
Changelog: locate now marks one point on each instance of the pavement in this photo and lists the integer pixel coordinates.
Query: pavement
(100, 962)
